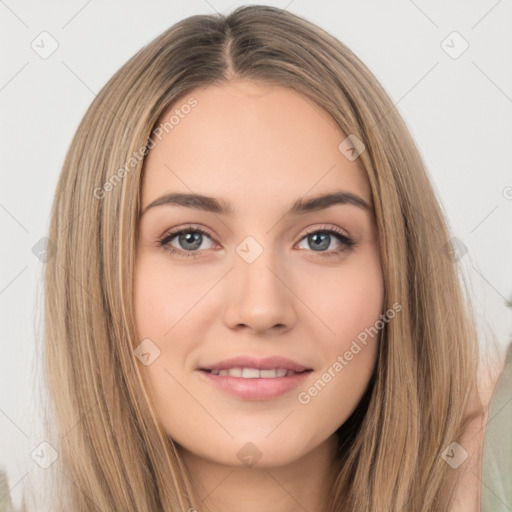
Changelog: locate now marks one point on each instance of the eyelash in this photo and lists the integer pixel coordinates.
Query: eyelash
(347, 243)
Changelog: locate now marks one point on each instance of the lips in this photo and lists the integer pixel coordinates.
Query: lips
(251, 378)
(249, 362)
(254, 373)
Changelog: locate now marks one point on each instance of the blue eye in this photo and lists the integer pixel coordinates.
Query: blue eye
(321, 240)
(191, 238)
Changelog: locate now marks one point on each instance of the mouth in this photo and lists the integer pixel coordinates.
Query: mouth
(250, 378)
(254, 373)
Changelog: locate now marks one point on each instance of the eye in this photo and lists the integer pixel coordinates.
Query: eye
(321, 239)
(189, 241)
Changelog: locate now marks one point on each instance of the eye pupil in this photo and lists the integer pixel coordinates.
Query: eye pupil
(316, 243)
(193, 238)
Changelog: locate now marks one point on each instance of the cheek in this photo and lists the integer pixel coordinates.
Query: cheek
(349, 304)
(346, 301)
(360, 302)
(168, 311)
(162, 298)
(148, 298)
(160, 301)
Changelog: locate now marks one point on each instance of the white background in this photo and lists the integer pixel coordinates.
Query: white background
(459, 111)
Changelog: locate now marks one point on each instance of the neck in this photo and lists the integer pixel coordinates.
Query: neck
(300, 485)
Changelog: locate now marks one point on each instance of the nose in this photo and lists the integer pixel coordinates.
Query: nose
(260, 296)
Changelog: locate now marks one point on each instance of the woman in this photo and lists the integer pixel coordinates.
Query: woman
(312, 348)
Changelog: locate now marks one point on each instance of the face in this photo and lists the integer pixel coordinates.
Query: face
(251, 310)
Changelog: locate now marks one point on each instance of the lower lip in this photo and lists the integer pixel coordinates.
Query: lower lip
(256, 389)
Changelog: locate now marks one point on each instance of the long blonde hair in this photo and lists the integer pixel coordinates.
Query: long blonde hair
(113, 453)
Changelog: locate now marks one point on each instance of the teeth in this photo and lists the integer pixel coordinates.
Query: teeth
(254, 373)
(250, 373)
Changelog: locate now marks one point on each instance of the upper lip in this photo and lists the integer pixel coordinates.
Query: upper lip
(266, 363)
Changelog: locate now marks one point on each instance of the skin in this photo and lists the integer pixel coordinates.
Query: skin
(260, 147)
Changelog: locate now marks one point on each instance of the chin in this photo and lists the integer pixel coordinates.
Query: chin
(256, 451)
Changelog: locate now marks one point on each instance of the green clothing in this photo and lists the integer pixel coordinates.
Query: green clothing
(497, 451)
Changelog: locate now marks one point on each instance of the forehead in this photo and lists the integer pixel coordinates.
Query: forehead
(243, 139)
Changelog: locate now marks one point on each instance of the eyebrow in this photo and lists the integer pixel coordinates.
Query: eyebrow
(300, 206)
